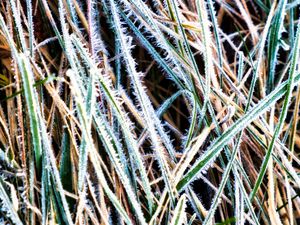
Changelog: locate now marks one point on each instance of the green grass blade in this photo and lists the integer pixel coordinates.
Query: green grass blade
(32, 107)
(240, 124)
(179, 216)
(284, 110)
(274, 42)
(153, 124)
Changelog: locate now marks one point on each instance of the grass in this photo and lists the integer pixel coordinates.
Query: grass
(149, 112)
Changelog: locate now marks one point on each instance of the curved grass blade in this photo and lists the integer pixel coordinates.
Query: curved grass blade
(207, 52)
(230, 164)
(283, 114)
(209, 156)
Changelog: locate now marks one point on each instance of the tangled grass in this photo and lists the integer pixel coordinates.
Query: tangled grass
(149, 112)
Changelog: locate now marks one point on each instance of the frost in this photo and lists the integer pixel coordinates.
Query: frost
(8, 206)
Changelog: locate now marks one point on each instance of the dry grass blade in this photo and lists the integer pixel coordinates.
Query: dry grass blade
(149, 112)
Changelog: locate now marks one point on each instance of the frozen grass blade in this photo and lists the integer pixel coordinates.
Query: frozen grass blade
(240, 124)
(32, 107)
(156, 56)
(152, 122)
(274, 42)
(289, 88)
(17, 19)
(30, 26)
(123, 121)
(7, 205)
(216, 200)
(179, 216)
(41, 133)
(207, 42)
(118, 111)
(216, 34)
